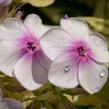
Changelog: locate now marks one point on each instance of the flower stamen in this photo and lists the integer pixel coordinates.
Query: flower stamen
(32, 46)
(81, 51)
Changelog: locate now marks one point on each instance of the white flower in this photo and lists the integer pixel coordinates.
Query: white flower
(79, 54)
(8, 103)
(5, 2)
(20, 52)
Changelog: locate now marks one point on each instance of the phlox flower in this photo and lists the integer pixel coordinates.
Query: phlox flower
(21, 55)
(9, 103)
(5, 2)
(79, 56)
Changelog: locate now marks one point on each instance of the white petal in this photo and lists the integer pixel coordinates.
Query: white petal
(13, 23)
(92, 77)
(100, 55)
(44, 61)
(5, 2)
(34, 25)
(55, 42)
(63, 72)
(9, 55)
(24, 73)
(76, 27)
(99, 41)
(8, 103)
(39, 70)
(11, 29)
(1, 2)
(9, 34)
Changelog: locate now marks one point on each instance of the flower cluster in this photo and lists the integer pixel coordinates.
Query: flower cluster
(67, 56)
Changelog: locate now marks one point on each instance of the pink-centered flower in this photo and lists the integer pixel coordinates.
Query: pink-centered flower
(79, 56)
(21, 54)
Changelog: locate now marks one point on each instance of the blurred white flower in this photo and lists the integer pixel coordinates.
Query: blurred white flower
(5, 2)
(79, 54)
(8, 103)
(21, 55)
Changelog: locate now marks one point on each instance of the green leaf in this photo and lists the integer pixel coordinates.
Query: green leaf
(100, 9)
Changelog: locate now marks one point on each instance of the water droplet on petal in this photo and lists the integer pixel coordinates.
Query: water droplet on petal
(102, 74)
(67, 68)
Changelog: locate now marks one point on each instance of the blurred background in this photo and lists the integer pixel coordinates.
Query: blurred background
(73, 8)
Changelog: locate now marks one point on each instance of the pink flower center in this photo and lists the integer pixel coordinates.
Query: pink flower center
(29, 43)
(80, 51)
(31, 46)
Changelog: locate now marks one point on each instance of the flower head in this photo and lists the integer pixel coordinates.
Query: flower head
(20, 51)
(79, 56)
